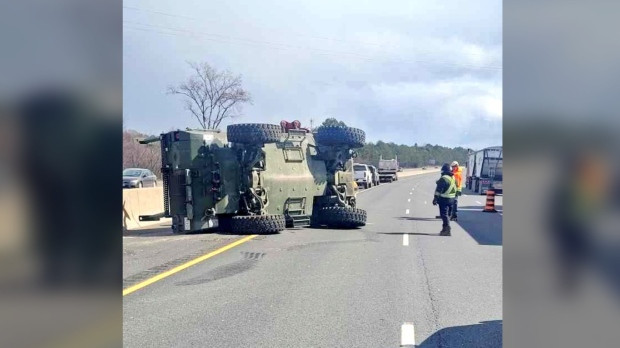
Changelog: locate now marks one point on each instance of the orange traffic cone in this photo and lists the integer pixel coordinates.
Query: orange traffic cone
(490, 206)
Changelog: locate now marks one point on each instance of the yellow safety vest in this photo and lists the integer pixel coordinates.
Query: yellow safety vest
(451, 191)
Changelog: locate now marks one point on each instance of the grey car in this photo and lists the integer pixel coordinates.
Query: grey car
(138, 177)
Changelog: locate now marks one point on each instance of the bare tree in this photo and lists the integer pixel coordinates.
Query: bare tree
(211, 95)
(137, 155)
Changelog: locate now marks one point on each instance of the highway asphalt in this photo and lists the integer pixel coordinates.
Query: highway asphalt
(384, 285)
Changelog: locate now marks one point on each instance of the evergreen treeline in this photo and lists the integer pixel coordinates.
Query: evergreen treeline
(411, 156)
(408, 156)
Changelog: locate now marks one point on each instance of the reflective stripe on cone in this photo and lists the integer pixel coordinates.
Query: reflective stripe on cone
(490, 204)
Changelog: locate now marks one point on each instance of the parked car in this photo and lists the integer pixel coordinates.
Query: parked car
(375, 175)
(362, 175)
(138, 177)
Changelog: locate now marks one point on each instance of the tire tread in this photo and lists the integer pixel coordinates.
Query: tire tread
(338, 135)
(254, 133)
(257, 224)
(342, 217)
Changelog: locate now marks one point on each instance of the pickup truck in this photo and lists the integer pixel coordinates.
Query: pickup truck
(362, 175)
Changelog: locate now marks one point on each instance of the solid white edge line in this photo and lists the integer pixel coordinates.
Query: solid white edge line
(405, 239)
(407, 335)
(364, 190)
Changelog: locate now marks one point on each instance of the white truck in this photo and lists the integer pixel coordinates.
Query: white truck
(362, 175)
(484, 170)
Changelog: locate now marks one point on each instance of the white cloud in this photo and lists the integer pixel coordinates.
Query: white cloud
(492, 106)
(407, 71)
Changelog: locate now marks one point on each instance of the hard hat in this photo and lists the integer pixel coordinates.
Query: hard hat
(454, 164)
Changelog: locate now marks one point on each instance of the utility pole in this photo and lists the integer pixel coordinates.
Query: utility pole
(311, 124)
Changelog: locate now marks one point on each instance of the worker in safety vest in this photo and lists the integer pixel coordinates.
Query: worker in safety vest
(445, 193)
(458, 178)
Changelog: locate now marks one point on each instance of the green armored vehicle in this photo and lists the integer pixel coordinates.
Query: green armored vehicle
(259, 178)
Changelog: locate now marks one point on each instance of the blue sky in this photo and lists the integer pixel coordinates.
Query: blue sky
(404, 71)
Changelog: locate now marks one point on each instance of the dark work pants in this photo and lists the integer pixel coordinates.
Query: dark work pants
(445, 204)
(454, 208)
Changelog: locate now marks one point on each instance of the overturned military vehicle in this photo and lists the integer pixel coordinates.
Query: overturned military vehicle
(259, 178)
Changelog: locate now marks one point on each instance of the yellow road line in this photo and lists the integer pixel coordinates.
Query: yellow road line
(188, 264)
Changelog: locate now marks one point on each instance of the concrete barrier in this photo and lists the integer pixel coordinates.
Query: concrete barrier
(416, 171)
(142, 201)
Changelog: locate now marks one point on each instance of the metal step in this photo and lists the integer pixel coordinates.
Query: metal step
(300, 220)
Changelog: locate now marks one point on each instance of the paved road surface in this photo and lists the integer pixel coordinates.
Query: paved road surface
(327, 288)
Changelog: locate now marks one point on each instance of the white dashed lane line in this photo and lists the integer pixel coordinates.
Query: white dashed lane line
(407, 335)
(408, 199)
(407, 211)
(405, 239)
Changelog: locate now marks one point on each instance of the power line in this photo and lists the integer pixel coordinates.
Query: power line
(229, 39)
(159, 12)
(298, 34)
(321, 52)
(201, 20)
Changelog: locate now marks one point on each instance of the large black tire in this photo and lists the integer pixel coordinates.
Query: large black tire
(338, 135)
(224, 222)
(254, 133)
(258, 224)
(341, 217)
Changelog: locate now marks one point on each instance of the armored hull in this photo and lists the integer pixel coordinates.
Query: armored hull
(259, 178)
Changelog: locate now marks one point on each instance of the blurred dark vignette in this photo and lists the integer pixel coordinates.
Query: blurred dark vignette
(561, 142)
(60, 159)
